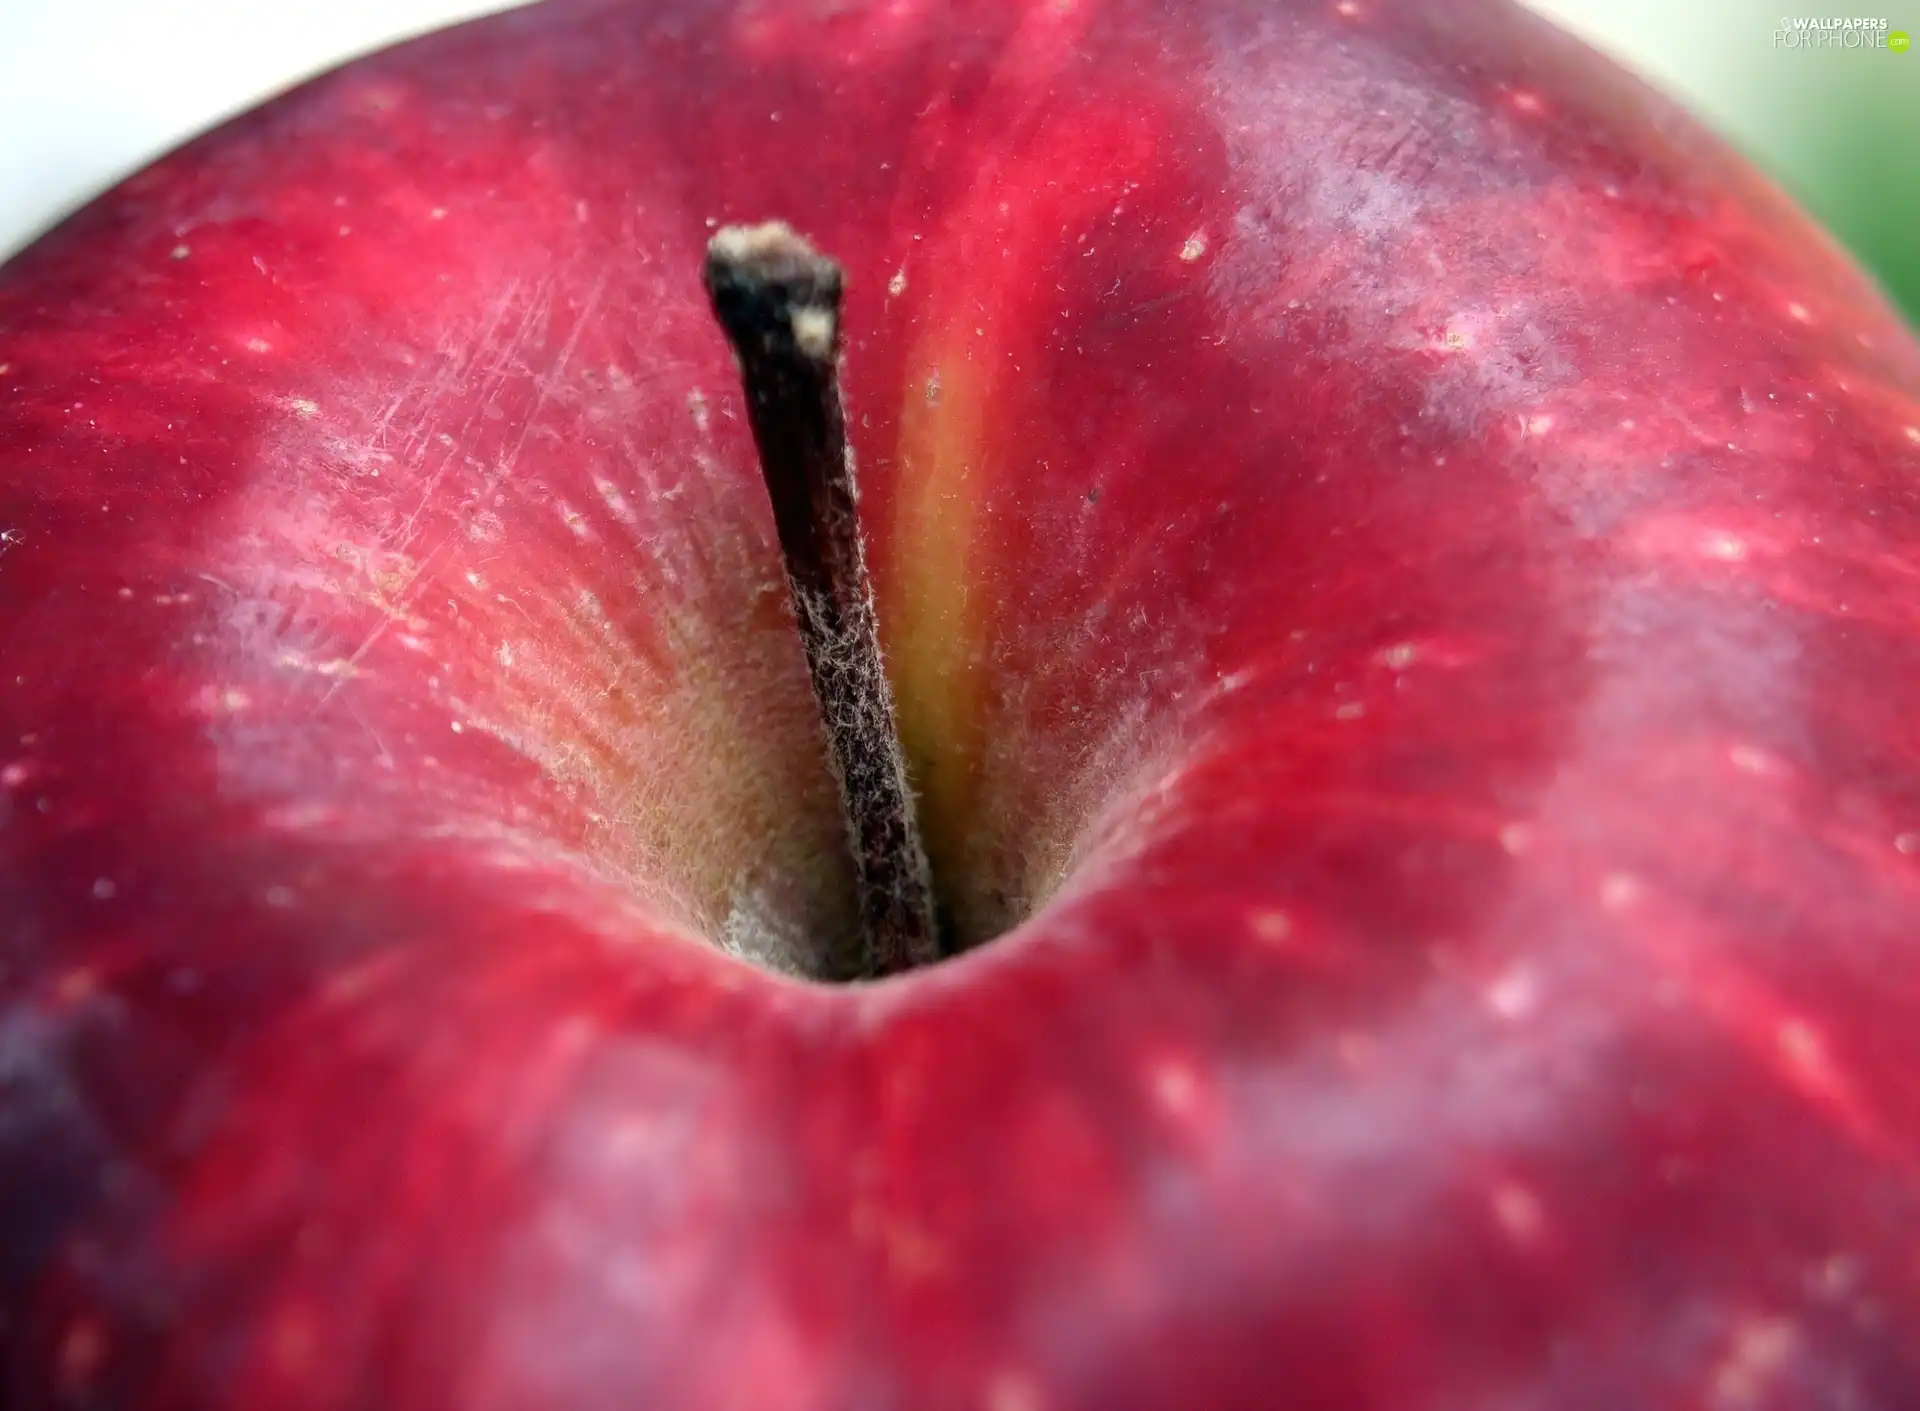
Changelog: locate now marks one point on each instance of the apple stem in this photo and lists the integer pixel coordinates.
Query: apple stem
(779, 301)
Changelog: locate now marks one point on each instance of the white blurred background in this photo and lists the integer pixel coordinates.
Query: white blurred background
(91, 89)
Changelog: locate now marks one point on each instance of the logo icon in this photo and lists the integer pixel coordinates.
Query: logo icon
(1898, 40)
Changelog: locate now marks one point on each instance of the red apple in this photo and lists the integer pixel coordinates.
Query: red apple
(1399, 561)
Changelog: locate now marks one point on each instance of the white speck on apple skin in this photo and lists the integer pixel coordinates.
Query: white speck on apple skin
(1359, 1053)
(77, 986)
(1270, 926)
(1518, 1212)
(335, 668)
(616, 502)
(1619, 890)
(572, 1037)
(1804, 1050)
(1515, 994)
(1837, 1277)
(1723, 545)
(295, 1340)
(1013, 1391)
(1174, 1086)
(1906, 843)
(223, 700)
(1399, 656)
(1757, 1353)
(104, 889)
(1195, 247)
(898, 284)
(83, 1350)
(352, 984)
(299, 817)
(590, 607)
(1515, 839)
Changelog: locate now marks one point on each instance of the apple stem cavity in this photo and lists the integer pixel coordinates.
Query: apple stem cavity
(778, 299)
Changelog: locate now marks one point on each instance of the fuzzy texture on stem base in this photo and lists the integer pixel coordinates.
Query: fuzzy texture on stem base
(779, 301)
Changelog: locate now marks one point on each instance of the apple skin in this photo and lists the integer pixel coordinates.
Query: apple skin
(1400, 563)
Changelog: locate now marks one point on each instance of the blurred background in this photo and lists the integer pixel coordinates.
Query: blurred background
(91, 89)
(1837, 126)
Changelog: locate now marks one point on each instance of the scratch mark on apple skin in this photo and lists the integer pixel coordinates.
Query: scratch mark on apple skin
(448, 375)
(385, 755)
(545, 387)
(500, 351)
(398, 612)
(497, 350)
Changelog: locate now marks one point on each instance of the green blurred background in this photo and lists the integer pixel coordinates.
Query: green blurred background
(92, 89)
(1840, 128)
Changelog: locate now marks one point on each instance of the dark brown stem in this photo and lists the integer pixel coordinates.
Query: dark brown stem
(779, 301)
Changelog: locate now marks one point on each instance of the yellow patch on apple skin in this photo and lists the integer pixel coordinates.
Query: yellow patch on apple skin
(1000, 845)
(1009, 808)
(929, 628)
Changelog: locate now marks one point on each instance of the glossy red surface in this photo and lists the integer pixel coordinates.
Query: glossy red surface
(1398, 562)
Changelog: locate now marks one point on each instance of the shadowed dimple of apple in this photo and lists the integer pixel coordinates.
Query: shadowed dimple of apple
(354, 580)
(1393, 554)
